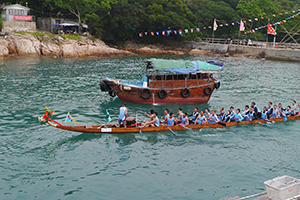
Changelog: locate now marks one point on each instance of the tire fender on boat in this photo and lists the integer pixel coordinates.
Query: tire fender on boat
(207, 90)
(185, 92)
(162, 93)
(147, 92)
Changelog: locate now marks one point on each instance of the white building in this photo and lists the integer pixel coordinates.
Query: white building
(15, 18)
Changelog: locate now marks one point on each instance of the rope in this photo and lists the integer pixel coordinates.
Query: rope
(254, 195)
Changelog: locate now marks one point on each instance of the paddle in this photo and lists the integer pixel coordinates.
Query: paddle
(172, 131)
(185, 127)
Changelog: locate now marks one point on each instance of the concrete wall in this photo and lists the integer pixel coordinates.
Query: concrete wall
(9, 26)
(46, 24)
(283, 54)
(219, 48)
(260, 51)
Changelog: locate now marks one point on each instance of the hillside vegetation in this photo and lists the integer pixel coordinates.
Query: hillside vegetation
(121, 20)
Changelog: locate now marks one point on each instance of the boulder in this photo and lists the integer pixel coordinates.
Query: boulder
(4, 52)
(198, 52)
(50, 49)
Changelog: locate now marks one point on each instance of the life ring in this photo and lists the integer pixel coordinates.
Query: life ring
(148, 93)
(217, 85)
(112, 93)
(185, 92)
(207, 91)
(162, 93)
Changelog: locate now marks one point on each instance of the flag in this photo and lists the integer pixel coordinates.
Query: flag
(70, 119)
(242, 27)
(271, 30)
(198, 29)
(186, 30)
(215, 25)
(192, 30)
(108, 119)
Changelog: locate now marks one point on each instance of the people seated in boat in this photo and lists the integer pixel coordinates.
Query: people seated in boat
(185, 120)
(237, 117)
(256, 110)
(150, 115)
(226, 117)
(264, 114)
(123, 115)
(251, 115)
(152, 123)
(213, 117)
(275, 113)
(221, 113)
(170, 120)
(179, 117)
(280, 110)
(194, 116)
(287, 111)
(245, 113)
(293, 108)
(270, 110)
(201, 119)
(166, 113)
(207, 114)
(231, 111)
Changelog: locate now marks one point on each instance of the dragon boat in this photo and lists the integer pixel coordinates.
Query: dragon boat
(136, 129)
(168, 82)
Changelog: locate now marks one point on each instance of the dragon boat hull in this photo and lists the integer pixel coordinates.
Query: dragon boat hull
(112, 129)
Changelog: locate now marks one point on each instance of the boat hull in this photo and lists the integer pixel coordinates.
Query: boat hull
(195, 92)
(111, 129)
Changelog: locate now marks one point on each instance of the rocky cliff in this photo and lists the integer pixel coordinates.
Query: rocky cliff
(28, 44)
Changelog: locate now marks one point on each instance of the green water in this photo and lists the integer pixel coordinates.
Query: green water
(41, 162)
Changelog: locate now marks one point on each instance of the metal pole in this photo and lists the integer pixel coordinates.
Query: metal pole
(274, 37)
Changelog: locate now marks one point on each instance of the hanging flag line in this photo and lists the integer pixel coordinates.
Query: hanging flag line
(270, 25)
(215, 26)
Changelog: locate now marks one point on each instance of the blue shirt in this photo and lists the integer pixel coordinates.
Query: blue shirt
(157, 122)
(122, 113)
(170, 122)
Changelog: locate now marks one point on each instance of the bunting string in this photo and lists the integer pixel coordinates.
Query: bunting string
(245, 21)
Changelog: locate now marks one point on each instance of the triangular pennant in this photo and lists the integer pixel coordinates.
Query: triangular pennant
(70, 119)
(271, 30)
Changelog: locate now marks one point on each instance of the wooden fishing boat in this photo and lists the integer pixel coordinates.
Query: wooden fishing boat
(168, 82)
(114, 129)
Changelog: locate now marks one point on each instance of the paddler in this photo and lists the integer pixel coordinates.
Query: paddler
(221, 113)
(256, 110)
(275, 113)
(270, 110)
(153, 123)
(194, 116)
(185, 120)
(201, 119)
(180, 115)
(213, 117)
(237, 117)
(123, 115)
(264, 113)
(166, 112)
(293, 108)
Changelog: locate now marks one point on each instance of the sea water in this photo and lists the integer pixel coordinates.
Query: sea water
(40, 162)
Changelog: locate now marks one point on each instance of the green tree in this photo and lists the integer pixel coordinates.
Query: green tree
(84, 9)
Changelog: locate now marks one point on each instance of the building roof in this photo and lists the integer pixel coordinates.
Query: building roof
(15, 6)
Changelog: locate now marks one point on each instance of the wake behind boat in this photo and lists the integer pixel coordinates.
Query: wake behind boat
(168, 82)
(136, 129)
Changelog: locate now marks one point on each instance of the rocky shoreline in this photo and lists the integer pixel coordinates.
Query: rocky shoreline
(27, 44)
